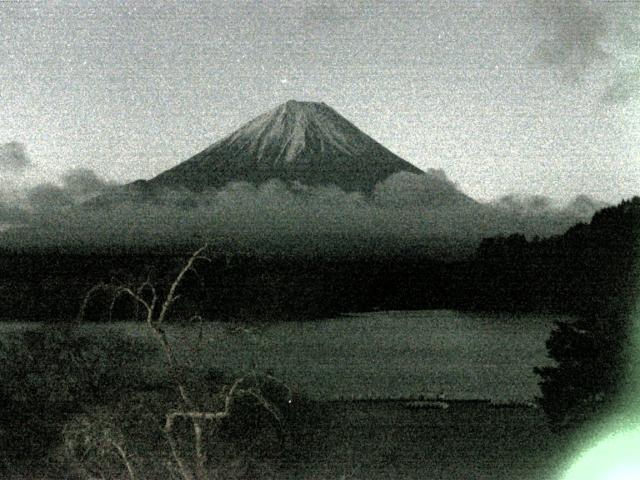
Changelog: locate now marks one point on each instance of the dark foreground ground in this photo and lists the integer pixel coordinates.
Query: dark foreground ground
(375, 440)
(372, 440)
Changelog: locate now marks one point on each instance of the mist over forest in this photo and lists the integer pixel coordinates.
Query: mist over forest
(407, 211)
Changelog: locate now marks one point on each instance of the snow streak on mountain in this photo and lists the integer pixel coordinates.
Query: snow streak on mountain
(297, 141)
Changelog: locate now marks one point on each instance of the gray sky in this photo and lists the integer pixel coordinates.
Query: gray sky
(533, 96)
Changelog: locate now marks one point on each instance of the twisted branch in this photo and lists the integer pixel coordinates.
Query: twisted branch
(146, 296)
(171, 296)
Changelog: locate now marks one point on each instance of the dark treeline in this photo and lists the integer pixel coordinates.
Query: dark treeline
(588, 267)
(51, 285)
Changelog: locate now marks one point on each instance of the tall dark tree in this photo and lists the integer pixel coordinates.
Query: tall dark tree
(592, 356)
(593, 353)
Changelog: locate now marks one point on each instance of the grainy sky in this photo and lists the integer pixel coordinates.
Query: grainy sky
(529, 96)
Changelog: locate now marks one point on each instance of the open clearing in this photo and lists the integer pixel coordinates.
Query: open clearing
(392, 355)
(380, 354)
(402, 354)
(375, 440)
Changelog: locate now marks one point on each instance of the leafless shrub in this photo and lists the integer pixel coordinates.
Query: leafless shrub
(101, 434)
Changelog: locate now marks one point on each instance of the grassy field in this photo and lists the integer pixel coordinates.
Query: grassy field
(380, 354)
(391, 355)
(384, 440)
(376, 440)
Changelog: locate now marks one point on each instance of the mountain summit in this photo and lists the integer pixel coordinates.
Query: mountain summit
(306, 142)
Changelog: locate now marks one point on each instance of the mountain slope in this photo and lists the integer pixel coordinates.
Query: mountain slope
(297, 141)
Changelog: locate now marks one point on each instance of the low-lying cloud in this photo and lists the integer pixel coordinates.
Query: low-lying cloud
(20, 201)
(581, 208)
(10, 214)
(406, 213)
(13, 158)
(83, 183)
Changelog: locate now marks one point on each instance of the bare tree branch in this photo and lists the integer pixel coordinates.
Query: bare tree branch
(125, 459)
(170, 299)
(182, 467)
(100, 287)
(145, 295)
(228, 403)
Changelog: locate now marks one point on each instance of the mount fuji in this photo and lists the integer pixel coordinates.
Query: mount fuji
(304, 142)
